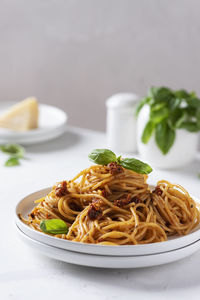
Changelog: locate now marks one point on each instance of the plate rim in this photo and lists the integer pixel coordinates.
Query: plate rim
(109, 261)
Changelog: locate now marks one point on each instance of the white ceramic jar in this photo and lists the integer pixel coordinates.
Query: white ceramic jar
(121, 122)
(181, 153)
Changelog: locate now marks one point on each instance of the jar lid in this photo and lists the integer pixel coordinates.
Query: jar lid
(122, 100)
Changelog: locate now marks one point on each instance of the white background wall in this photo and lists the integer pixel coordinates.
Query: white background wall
(75, 54)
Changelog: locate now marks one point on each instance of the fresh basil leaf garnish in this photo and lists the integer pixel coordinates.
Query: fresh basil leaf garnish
(13, 161)
(54, 226)
(136, 165)
(102, 156)
(105, 156)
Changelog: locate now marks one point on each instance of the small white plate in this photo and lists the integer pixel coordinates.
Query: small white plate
(102, 261)
(52, 123)
(26, 205)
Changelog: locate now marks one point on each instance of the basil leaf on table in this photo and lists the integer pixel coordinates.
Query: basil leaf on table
(13, 149)
(164, 136)
(136, 165)
(54, 226)
(13, 161)
(147, 133)
(102, 156)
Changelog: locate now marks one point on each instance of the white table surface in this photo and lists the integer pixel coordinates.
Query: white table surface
(25, 274)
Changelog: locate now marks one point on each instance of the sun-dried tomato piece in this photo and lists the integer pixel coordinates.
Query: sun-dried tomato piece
(74, 206)
(114, 168)
(94, 212)
(125, 200)
(61, 189)
(104, 193)
(158, 191)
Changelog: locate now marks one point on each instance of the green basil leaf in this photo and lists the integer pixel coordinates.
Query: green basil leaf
(158, 106)
(180, 120)
(141, 104)
(198, 117)
(177, 117)
(118, 160)
(159, 115)
(136, 165)
(190, 126)
(171, 110)
(193, 94)
(13, 149)
(161, 94)
(174, 103)
(54, 226)
(13, 161)
(102, 156)
(165, 136)
(147, 133)
(193, 102)
(181, 94)
(190, 111)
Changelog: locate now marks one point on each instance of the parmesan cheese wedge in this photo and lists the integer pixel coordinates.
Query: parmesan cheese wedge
(23, 116)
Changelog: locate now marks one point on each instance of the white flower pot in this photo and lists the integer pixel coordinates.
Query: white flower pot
(181, 153)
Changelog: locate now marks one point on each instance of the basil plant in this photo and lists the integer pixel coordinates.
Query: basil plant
(169, 110)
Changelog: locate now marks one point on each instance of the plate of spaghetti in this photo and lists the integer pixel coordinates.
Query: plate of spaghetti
(109, 209)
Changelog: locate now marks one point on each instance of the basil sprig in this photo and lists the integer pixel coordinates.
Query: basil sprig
(54, 226)
(102, 156)
(15, 152)
(105, 156)
(169, 110)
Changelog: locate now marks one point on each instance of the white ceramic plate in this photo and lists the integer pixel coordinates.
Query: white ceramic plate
(27, 204)
(52, 123)
(102, 261)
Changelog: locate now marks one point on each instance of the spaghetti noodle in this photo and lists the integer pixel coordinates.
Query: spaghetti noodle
(110, 205)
